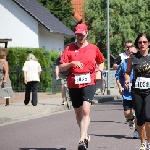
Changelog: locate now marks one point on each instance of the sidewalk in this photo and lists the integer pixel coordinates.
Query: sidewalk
(47, 105)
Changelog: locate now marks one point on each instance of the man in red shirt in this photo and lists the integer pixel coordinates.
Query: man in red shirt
(80, 59)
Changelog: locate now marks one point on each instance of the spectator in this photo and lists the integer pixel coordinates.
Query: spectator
(62, 76)
(32, 71)
(6, 91)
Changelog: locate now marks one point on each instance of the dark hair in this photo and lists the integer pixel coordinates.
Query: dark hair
(140, 35)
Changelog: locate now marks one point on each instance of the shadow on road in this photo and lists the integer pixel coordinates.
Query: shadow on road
(114, 102)
(42, 148)
(109, 121)
(114, 136)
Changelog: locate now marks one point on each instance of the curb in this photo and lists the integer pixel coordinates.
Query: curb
(46, 112)
(58, 109)
(102, 99)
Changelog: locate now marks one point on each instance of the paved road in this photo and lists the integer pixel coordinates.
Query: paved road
(59, 131)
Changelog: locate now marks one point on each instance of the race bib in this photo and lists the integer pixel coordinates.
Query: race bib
(83, 78)
(142, 83)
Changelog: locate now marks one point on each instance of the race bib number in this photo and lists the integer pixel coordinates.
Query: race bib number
(83, 78)
(142, 83)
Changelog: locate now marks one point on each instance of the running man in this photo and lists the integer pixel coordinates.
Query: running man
(81, 59)
(126, 95)
(122, 56)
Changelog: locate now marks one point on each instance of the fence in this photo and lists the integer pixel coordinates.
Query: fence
(112, 80)
(48, 82)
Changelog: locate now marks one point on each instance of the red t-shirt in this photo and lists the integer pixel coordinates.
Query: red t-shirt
(89, 56)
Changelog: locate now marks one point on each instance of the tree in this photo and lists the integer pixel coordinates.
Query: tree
(61, 9)
(127, 20)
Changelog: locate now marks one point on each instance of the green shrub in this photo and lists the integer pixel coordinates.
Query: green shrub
(16, 58)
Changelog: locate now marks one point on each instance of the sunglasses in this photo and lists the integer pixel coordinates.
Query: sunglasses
(144, 42)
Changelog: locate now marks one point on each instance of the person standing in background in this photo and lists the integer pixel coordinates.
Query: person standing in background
(62, 76)
(32, 71)
(6, 91)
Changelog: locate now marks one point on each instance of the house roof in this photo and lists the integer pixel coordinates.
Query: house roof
(44, 17)
(78, 9)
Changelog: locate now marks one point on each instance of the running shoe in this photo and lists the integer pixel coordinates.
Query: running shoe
(143, 147)
(82, 146)
(131, 124)
(87, 137)
(87, 140)
(64, 103)
(127, 120)
(135, 135)
(148, 146)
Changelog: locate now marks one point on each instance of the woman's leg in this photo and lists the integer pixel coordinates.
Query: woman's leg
(7, 102)
(147, 117)
(27, 93)
(138, 102)
(34, 88)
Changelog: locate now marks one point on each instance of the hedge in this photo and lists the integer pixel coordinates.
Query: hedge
(16, 58)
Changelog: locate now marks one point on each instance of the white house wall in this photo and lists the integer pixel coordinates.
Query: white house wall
(50, 41)
(17, 25)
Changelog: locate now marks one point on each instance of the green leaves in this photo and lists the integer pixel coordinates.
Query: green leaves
(127, 20)
(61, 9)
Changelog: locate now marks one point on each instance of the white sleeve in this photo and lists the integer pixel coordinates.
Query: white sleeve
(39, 68)
(24, 67)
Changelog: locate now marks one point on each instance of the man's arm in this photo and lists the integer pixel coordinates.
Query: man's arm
(57, 72)
(66, 66)
(99, 72)
(121, 89)
(101, 66)
(117, 76)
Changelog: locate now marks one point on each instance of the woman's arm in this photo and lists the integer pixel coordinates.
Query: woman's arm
(25, 77)
(6, 71)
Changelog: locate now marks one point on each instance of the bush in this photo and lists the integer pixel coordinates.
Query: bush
(16, 58)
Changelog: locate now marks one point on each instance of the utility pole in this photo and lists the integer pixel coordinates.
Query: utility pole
(108, 51)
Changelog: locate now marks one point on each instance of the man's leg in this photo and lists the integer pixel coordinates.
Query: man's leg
(87, 94)
(63, 92)
(78, 113)
(128, 106)
(85, 120)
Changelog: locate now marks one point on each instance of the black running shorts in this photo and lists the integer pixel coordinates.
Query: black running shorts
(127, 104)
(78, 95)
